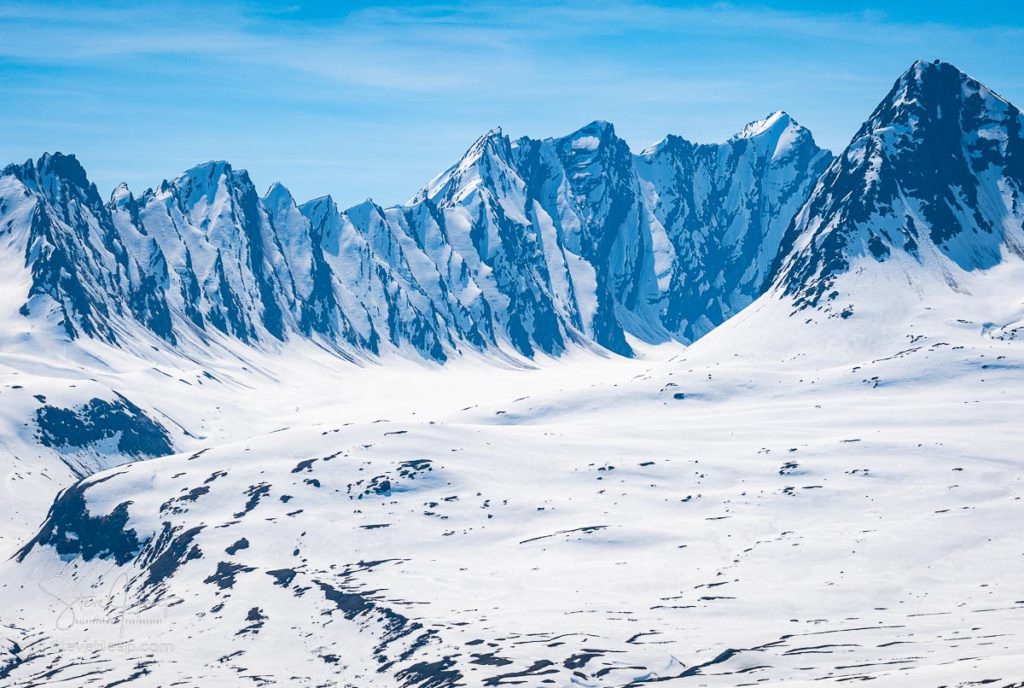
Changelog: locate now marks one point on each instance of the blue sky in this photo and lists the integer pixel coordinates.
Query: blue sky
(365, 100)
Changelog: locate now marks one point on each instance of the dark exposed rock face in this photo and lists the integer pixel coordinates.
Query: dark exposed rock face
(935, 174)
(73, 531)
(137, 435)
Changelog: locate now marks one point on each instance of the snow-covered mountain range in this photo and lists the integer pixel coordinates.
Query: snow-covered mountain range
(823, 485)
(521, 246)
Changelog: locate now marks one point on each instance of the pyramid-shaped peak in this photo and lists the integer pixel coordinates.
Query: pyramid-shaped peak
(278, 193)
(775, 123)
(326, 200)
(361, 212)
(932, 91)
(923, 69)
(493, 142)
(925, 78)
(917, 183)
(670, 143)
(489, 155)
(492, 136)
(320, 207)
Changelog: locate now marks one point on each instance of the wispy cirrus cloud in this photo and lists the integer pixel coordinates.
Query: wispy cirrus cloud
(418, 46)
(404, 87)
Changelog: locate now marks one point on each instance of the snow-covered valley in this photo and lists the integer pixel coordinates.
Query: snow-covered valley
(433, 466)
(775, 518)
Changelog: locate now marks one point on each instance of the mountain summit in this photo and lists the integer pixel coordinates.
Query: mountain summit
(932, 181)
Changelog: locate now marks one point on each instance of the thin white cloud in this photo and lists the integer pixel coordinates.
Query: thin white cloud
(398, 90)
(417, 49)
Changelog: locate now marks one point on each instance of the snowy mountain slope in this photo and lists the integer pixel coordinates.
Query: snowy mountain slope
(81, 275)
(523, 248)
(568, 236)
(204, 401)
(55, 430)
(781, 518)
(229, 270)
(587, 185)
(487, 215)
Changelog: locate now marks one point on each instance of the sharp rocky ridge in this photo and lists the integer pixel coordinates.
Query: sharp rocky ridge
(522, 247)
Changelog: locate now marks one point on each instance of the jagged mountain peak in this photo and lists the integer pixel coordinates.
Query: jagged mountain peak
(778, 133)
(671, 142)
(531, 245)
(278, 195)
(590, 136)
(210, 169)
(773, 125)
(490, 156)
(933, 181)
(212, 184)
(208, 176)
(53, 170)
(121, 195)
(66, 166)
(494, 142)
(362, 213)
(923, 71)
(725, 208)
(929, 90)
(318, 204)
(594, 154)
(123, 200)
(776, 129)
